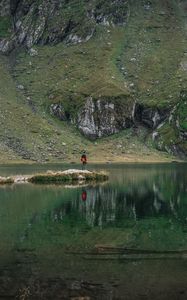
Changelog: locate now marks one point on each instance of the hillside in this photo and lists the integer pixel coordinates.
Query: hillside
(96, 75)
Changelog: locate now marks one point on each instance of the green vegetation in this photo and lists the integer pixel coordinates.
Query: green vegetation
(43, 138)
(182, 115)
(69, 74)
(143, 61)
(5, 27)
(147, 52)
(28, 133)
(57, 177)
(153, 50)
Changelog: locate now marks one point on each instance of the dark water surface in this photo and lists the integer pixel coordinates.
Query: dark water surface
(123, 239)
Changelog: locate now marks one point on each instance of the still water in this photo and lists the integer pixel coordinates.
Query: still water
(122, 239)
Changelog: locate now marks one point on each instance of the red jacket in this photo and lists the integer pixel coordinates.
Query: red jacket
(84, 159)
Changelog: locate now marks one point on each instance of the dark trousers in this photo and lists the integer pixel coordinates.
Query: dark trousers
(83, 166)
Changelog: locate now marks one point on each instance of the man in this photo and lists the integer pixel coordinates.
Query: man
(83, 160)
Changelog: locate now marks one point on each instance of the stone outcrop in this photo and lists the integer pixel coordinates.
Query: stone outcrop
(103, 117)
(50, 22)
(4, 8)
(106, 116)
(6, 45)
(58, 111)
(150, 116)
(171, 134)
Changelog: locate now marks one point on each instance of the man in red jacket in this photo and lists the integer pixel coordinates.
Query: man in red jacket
(83, 160)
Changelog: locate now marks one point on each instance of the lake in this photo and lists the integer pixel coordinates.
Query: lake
(121, 239)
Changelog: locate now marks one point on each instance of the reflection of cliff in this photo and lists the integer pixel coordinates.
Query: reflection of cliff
(108, 205)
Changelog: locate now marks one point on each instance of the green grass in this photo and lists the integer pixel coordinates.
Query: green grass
(182, 115)
(147, 52)
(25, 134)
(155, 40)
(171, 133)
(5, 27)
(70, 74)
(73, 177)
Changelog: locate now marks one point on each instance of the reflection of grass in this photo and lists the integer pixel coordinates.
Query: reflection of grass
(153, 234)
(20, 204)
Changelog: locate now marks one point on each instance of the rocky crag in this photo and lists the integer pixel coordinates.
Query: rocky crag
(102, 66)
(51, 22)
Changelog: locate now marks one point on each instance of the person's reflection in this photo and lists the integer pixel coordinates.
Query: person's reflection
(84, 195)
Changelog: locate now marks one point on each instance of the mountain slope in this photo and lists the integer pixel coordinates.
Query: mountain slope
(100, 66)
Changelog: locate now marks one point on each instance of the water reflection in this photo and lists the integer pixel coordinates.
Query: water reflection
(84, 195)
(111, 204)
(44, 228)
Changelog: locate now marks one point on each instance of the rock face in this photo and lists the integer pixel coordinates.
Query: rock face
(171, 134)
(6, 46)
(57, 110)
(50, 21)
(103, 117)
(149, 116)
(106, 116)
(4, 8)
(100, 118)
